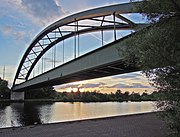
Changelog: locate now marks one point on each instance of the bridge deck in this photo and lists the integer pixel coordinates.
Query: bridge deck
(144, 125)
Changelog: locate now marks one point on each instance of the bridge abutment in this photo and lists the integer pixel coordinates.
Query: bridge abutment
(17, 96)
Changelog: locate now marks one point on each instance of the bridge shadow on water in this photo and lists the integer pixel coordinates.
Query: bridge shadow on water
(23, 114)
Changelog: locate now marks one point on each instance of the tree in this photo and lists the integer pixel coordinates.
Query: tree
(126, 96)
(42, 93)
(4, 90)
(119, 95)
(156, 51)
(135, 96)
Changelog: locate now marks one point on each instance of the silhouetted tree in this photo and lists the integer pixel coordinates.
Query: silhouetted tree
(156, 51)
(4, 90)
(119, 95)
(135, 96)
(126, 96)
(42, 93)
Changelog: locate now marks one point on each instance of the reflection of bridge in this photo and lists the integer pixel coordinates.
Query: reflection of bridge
(104, 61)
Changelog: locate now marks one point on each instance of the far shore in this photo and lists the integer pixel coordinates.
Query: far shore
(60, 100)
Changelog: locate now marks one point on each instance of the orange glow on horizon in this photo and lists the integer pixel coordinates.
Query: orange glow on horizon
(107, 90)
(136, 83)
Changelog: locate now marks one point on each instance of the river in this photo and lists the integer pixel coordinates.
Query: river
(22, 114)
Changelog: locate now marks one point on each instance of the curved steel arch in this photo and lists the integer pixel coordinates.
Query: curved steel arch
(57, 29)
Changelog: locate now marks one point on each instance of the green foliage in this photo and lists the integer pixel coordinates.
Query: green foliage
(135, 97)
(156, 51)
(157, 10)
(3, 84)
(96, 96)
(4, 90)
(157, 46)
(42, 93)
(49, 93)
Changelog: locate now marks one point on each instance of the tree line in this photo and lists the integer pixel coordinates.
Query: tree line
(95, 96)
(49, 93)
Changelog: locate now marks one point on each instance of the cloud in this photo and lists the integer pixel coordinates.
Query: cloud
(134, 85)
(120, 86)
(139, 85)
(88, 85)
(68, 86)
(102, 83)
(73, 6)
(7, 30)
(19, 35)
(42, 11)
(91, 85)
(128, 76)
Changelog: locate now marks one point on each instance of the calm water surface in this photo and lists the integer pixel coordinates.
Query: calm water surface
(21, 114)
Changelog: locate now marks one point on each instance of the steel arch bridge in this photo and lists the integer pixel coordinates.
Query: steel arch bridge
(104, 18)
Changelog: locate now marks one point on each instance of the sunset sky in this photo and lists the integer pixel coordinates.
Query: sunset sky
(22, 20)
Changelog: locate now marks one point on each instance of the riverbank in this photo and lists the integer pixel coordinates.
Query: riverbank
(138, 125)
(60, 100)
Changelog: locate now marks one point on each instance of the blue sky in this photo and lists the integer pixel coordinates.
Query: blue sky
(22, 20)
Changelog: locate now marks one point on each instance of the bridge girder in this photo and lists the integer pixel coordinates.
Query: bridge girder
(74, 25)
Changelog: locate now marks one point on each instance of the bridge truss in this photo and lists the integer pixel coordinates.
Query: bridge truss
(99, 19)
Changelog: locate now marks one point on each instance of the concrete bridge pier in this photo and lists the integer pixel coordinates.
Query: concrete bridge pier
(17, 96)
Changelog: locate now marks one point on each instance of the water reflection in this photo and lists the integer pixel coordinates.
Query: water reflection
(4, 107)
(22, 114)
